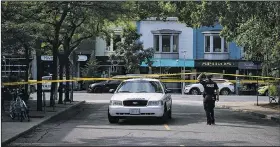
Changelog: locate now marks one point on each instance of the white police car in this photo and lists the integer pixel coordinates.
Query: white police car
(141, 97)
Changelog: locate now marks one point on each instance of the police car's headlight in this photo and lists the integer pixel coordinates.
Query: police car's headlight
(116, 103)
(155, 103)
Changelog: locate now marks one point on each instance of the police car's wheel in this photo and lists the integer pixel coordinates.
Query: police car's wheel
(194, 91)
(165, 116)
(170, 113)
(112, 119)
(97, 90)
(225, 92)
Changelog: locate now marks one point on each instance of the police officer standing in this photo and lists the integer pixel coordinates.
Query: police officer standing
(209, 96)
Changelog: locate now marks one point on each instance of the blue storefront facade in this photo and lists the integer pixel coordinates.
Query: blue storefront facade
(178, 47)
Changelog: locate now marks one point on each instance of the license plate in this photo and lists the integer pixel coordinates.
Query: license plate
(134, 111)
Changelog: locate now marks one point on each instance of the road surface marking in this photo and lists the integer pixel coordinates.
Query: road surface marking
(166, 127)
(182, 145)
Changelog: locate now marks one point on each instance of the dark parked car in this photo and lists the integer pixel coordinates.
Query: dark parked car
(103, 87)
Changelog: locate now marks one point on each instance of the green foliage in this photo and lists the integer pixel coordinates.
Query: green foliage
(159, 9)
(131, 50)
(272, 90)
(91, 68)
(252, 25)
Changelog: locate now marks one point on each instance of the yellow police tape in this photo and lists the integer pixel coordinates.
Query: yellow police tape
(158, 76)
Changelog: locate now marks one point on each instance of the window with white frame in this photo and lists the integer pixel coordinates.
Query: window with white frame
(108, 43)
(213, 43)
(166, 41)
(156, 43)
(207, 43)
(175, 43)
(217, 44)
(117, 38)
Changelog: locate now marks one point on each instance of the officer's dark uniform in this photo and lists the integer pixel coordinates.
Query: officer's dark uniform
(209, 98)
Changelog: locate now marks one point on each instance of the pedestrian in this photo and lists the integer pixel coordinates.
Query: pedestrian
(210, 95)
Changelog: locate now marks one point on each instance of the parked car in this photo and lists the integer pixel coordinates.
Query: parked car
(224, 85)
(140, 97)
(263, 90)
(103, 86)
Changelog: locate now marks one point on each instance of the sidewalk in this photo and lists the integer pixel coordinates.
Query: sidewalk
(252, 108)
(12, 129)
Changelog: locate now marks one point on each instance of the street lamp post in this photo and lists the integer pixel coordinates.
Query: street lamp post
(5, 65)
(184, 72)
(159, 67)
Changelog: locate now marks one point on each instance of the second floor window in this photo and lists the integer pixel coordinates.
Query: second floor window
(217, 44)
(156, 43)
(175, 43)
(213, 43)
(207, 43)
(117, 38)
(166, 43)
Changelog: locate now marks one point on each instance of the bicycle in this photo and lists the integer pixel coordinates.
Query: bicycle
(18, 107)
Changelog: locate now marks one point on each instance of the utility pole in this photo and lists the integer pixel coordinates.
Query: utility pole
(257, 85)
(184, 76)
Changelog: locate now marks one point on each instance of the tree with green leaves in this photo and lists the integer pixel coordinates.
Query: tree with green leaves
(252, 25)
(131, 51)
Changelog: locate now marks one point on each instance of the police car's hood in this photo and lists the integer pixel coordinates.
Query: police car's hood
(143, 96)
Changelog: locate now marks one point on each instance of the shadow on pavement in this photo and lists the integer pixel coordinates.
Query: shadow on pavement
(94, 116)
(161, 141)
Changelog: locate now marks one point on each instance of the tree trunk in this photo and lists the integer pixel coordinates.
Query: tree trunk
(55, 46)
(61, 62)
(54, 71)
(26, 86)
(39, 76)
(67, 88)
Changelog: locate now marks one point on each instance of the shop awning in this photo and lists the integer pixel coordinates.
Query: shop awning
(170, 63)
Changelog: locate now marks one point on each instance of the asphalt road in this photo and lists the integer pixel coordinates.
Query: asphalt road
(88, 126)
(91, 97)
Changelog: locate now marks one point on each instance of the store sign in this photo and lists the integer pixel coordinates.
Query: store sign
(215, 64)
(247, 65)
(50, 58)
(82, 58)
(47, 58)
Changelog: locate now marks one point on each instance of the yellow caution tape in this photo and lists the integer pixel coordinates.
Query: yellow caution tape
(158, 76)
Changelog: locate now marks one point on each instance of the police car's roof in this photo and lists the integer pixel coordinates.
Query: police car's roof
(143, 79)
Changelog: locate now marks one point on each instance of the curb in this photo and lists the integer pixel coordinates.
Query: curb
(275, 119)
(42, 122)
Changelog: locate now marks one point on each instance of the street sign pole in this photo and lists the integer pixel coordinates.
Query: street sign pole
(257, 85)
(257, 59)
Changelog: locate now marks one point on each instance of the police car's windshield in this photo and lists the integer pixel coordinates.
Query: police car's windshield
(140, 86)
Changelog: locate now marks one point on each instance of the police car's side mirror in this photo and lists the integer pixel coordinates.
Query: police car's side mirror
(111, 90)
